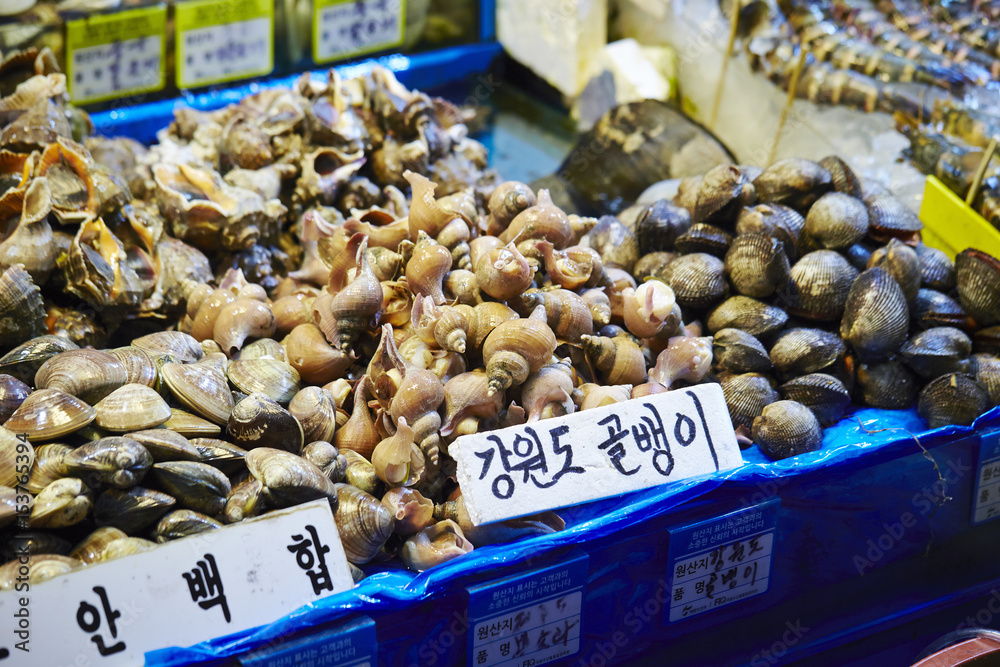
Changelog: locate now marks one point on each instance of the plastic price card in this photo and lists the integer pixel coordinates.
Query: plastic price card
(346, 28)
(720, 561)
(986, 504)
(528, 619)
(223, 40)
(352, 644)
(116, 55)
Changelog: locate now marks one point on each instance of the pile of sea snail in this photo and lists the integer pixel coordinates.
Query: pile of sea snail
(410, 321)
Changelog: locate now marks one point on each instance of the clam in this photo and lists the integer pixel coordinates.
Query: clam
(735, 351)
(704, 238)
(316, 412)
(890, 218)
(858, 255)
(775, 220)
(62, 503)
(47, 467)
(262, 347)
(876, 317)
(363, 522)
(186, 424)
(196, 486)
(131, 510)
(987, 369)
(650, 266)
(934, 309)
(819, 285)
(824, 394)
(937, 271)
(746, 396)
(723, 191)
(166, 445)
(938, 351)
(793, 182)
(117, 461)
(175, 344)
(889, 385)
(203, 391)
(133, 407)
(659, 225)
(126, 546)
(91, 549)
(9, 506)
(987, 340)
(220, 454)
(288, 479)
(327, 458)
(12, 394)
(955, 398)
(139, 365)
(434, 545)
(902, 263)
(787, 428)
(24, 360)
(804, 351)
(276, 379)
(40, 567)
(697, 280)
(245, 501)
(614, 241)
(90, 375)
(837, 221)
(258, 421)
(977, 275)
(49, 413)
(34, 542)
(757, 266)
(182, 523)
(844, 178)
(754, 317)
(14, 455)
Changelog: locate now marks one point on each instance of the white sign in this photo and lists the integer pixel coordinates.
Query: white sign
(180, 593)
(596, 453)
(109, 70)
(225, 52)
(345, 28)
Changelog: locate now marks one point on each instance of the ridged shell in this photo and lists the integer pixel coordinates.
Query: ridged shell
(757, 265)
(702, 237)
(258, 421)
(804, 351)
(48, 414)
(24, 360)
(844, 178)
(987, 369)
(978, 277)
(783, 223)
(824, 394)
(735, 351)
(133, 407)
(902, 263)
(746, 396)
(837, 221)
(889, 385)
(937, 271)
(858, 255)
(889, 218)
(934, 309)
(938, 351)
(697, 280)
(22, 313)
(876, 318)
(793, 182)
(90, 375)
(179, 345)
(952, 399)
(203, 391)
(133, 509)
(614, 241)
(723, 191)
(819, 285)
(363, 522)
(659, 225)
(288, 479)
(271, 377)
(787, 428)
(196, 486)
(652, 265)
(754, 317)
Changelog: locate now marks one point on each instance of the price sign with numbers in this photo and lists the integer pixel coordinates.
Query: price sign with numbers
(351, 644)
(986, 504)
(595, 454)
(223, 40)
(346, 28)
(720, 561)
(180, 593)
(528, 619)
(116, 55)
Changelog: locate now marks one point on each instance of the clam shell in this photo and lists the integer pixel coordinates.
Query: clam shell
(14, 454)
(987, 340)
(22, 313)
(166, 445)
(34, 542)
(787, 428)
(182, 523)
(316, 412)
(62, 503)
(363, 522)
(12, 394)
(181, 346)
(659, 225)
(937, 271)
(938, 351)
(327, 458)
(258, 421)
(49, 413)
(756, 264)
(186, 424)
(934, 309)
(793, 182)
(117, 461)
(889, 217)
(245, 501)
(41, 568)
(288, 479)
(977, 275)
(735, 351)
(48, 466)
(819, 285)
(652, 266)
(702, 237)
(987, 369)
(824, 394)
(139, 365)
(723, 191)
(202, 390)
(837, 221)
(876, 317)
(844, 178)
(133, 407)
(746, 396)
(902, 263)
(697, 280)
(781, 222)
(219, 453)
(614, 241)
(271, 377)
(24, 360)
(91, 549)
(126, 546)
(804, 351)
(87, 374)
(264, 347)
(955, 398)
(889, 385)
(196, 486)
(858, 255)
(754, 317)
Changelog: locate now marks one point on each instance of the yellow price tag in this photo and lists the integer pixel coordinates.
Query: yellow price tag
(346, 28)
(223, 40)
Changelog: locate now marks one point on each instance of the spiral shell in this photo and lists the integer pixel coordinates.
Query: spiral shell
(508, 200)
(503, 272)
(567, 313)
(434, 545)
(544, 220)
(685, 358)
(344, 316)
(618, 360)
(517, 348)
(242, 319)
(363, 522)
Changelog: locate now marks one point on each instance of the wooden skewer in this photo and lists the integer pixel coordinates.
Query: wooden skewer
(977, 180)
(788, 104)
(720, 84)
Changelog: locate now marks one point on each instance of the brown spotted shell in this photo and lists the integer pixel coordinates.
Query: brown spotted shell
(756, 264)
(876, 318)
(787, 428)
(952, 399)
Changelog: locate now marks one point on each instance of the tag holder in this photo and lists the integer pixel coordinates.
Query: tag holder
(950, 224)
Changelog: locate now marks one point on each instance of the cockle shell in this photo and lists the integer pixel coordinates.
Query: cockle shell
(787, 428)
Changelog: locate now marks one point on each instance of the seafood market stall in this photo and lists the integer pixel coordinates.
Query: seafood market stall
(290, 373)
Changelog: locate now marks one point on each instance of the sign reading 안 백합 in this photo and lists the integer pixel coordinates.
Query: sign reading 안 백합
(598, 453)
(116, 55)
(986, 504)
(180, 593)
(528, 619)
(346, 28)
(720, 561)
(223, 40)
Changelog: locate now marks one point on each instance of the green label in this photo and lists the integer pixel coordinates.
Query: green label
(223, 40)
(116, 55)
(346, 28)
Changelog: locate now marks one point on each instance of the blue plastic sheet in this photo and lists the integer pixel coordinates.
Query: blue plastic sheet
(870, 471)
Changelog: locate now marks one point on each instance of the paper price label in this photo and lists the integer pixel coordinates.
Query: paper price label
(180, 593)
(346, 28)
(595, 454)
(720, 561)
(223, 40)
(528, 619)
(986, 504)
(352, 644)
(116, 55)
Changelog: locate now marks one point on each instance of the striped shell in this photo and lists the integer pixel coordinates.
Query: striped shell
(952, 399)
(824, 394)
(819, 285)
(757, 265)
(787, 428)
(755, 317)
(804, 351)
(697, 280)
(746, 396)
(978, 278)
(837, 221)
(889, 385)
(876, 318)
